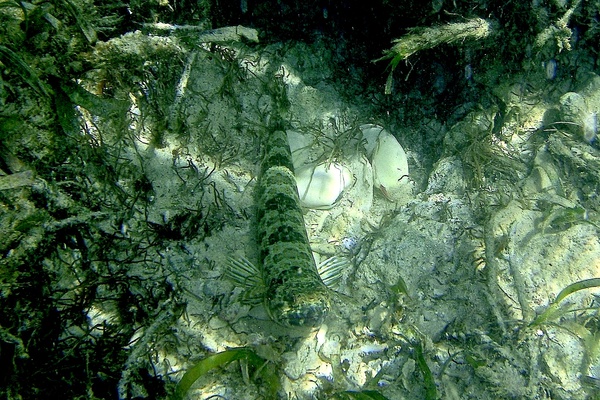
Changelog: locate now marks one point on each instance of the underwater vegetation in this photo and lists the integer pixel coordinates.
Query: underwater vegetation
(257, 368)
(263, 373)
(129, 137)
(427, 38)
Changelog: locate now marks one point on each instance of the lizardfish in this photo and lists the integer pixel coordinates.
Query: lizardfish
(294, 291)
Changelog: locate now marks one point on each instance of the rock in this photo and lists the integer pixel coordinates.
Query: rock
(360, 193)
(321, 186)
(389, 162)
(447, 177)
(301, 148)
(370, 135)
(573, 108)
(579, 110)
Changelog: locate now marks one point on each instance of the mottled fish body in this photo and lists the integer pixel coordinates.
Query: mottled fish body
(294, 293)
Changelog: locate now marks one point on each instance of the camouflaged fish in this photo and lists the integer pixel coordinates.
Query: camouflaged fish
(294, 291)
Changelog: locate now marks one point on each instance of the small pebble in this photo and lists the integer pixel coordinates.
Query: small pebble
(551, 66)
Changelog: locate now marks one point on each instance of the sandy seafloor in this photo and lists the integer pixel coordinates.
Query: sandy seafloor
(494, 228)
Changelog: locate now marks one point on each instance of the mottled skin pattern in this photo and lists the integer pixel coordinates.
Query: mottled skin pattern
(295, 294)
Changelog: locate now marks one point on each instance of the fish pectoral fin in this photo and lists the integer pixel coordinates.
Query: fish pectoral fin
(244, 273)
(253, 297)
(331, 269)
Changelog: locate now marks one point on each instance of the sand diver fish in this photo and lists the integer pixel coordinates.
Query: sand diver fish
(294, 291)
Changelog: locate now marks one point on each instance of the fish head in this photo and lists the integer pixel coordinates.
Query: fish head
(300, 308)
